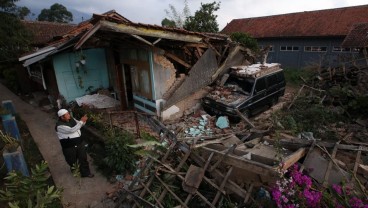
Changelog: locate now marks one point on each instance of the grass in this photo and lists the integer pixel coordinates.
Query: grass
(294, 77)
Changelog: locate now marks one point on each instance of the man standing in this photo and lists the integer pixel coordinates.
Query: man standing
(69, 134)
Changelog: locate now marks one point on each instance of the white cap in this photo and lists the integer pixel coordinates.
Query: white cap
(62, 112)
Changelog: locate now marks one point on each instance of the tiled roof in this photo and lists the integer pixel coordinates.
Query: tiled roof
(357, 37)
(331, 22)
(45, 32)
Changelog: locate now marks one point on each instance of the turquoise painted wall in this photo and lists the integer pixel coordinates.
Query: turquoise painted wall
(74, 82)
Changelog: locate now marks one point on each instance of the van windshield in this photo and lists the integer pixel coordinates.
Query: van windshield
(245, 84)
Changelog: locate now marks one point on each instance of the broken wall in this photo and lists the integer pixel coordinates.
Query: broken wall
(199, 76)
(164, 75)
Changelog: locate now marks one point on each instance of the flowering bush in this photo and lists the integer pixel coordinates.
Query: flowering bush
(295, 189)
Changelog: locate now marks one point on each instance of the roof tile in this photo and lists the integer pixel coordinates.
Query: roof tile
(331, 22)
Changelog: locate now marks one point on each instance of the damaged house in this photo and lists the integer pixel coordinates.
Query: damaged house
(148, 67)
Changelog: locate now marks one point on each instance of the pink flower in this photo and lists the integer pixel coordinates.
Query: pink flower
(337, 188)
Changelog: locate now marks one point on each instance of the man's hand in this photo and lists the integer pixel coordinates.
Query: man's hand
(84, 118)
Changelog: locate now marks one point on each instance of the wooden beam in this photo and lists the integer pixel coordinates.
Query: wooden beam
(177, 59)
(142, 39)
(242, 163)
(244, 118)
(129, 28)
(197, 45)
(293, 158)
(86, 36)
(298, 143)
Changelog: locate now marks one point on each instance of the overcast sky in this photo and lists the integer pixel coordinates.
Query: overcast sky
(153, 11)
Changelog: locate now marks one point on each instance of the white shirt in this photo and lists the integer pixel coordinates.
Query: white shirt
(66, 132)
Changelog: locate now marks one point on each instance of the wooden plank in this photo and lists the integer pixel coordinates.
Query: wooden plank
(224, 181)
(231, 185)
(249, 193)
(182, 178)
(298, 143)
(171, 192)
(229, 150)
(182, 162)
(242, 163)
(293, 158)
(356, 164)
(177, 59)
(244, 118)
(152, 194)
(306, 157)
(327, 174)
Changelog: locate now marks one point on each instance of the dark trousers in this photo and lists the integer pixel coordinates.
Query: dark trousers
(78, 154)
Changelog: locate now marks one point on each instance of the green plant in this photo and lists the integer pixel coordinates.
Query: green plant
(11, 144)
(245, 39)
(150, 146)
(295, 77)
(33, 191)
(119, 156)
(11, 78)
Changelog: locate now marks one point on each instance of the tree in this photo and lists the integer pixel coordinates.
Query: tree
(22, 12)
(245, 39)
(56, 13)
(14, 38)
(168, 23)
(203, 20)
(175, 17)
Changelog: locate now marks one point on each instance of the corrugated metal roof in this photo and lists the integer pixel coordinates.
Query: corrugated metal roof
(331, 22)
(357, 37)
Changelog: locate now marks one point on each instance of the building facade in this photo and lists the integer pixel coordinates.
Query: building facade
(304, 39)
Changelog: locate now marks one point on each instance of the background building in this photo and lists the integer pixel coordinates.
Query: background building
(306, 38)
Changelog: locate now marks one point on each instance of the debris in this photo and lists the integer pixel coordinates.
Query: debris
(306, 135)
(222, 122)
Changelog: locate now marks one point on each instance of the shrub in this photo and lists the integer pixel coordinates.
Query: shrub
(33, 191)
(119, 156)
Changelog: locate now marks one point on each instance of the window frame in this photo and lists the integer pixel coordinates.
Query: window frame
(317, 49)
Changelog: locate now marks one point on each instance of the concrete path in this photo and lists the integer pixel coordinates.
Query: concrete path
(78, 192)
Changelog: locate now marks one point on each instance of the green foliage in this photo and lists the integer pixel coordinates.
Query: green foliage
(168, 23)
(56, 13)
(24, 191)
(7, 5)
(119, 156)
(204, 20)
(22, 12)
(176, 19)
(308, 115)
(14, 38)
(11, 79)
(359, 105)
(10, 143)
(294, 77)
(245, 40)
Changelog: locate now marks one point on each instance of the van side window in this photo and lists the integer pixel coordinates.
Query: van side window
(260, 84)
(272, 80)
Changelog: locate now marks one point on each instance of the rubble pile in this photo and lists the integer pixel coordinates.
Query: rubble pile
(211, 160)
(230, 94)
